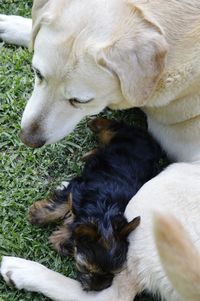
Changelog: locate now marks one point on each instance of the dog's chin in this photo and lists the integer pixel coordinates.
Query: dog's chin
(59, 134)
(53, 140)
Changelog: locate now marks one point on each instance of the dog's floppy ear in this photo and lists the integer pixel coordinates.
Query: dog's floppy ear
(137, 56)
(38, 10)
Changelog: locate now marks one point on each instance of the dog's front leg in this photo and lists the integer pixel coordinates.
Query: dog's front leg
(15, 30)
(34, 277)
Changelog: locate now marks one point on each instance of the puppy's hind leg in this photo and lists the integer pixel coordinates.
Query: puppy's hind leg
(56, 208)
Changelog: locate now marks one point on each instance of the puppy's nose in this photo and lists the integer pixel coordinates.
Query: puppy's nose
(32, 136)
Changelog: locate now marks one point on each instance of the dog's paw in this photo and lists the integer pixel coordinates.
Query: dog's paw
(15, 30)
(21, 273)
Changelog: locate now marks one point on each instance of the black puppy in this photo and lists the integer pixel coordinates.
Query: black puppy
(95, 230)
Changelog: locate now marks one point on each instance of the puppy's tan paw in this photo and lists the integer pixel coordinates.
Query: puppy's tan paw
(41, 212)
(60, 239)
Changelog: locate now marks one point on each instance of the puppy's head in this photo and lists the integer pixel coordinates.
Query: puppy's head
(88, 55)
(100, 251)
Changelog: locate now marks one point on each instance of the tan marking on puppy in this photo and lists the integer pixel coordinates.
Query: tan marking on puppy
(106, 243)
(101, 127)
(87, 155)
(106, 136)
(131, 226)
(59, 238)
(82, 263)
(45, 211)
(99, 124)
(69, 218)
(86, 230)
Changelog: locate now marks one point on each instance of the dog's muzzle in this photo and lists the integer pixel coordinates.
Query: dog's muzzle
(32, 136)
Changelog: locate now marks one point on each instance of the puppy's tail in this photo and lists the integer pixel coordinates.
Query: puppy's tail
(178, 255)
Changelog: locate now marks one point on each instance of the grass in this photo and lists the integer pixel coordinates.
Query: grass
(26, 174)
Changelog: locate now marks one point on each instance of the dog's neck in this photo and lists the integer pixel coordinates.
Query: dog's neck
(176, 100)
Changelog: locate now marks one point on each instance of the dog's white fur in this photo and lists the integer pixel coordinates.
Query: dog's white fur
(121, 54)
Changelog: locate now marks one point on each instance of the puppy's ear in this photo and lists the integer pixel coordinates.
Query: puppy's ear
(38, 17)
(129, 227)
(122, 228)
(136, 56)
(100, 124)
(86, 230)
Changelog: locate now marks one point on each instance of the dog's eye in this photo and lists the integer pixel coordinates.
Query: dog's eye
(38, 74)
(74, 101)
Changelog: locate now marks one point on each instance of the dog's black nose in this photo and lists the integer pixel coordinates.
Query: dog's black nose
(31, 139)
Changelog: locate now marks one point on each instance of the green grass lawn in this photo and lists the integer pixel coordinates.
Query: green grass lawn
(26, 174)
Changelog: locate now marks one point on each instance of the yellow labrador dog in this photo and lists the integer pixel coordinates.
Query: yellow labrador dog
(90, 54)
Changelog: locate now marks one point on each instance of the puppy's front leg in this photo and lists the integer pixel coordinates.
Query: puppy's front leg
(32, 276)
(53, 209)
(15, 30)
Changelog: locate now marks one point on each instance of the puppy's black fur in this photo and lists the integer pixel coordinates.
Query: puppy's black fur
(96, 232)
